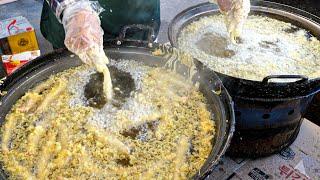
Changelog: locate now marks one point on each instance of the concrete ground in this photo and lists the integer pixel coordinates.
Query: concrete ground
(31, 9)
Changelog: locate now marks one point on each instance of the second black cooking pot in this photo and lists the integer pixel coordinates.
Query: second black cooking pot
(268, 115)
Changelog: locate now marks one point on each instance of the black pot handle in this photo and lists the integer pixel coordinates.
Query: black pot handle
(301, 77)
(123, 32)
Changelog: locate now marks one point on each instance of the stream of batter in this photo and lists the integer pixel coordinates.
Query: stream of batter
(100, 64)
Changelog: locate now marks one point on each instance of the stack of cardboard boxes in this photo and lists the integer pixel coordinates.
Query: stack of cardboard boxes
(18, 44)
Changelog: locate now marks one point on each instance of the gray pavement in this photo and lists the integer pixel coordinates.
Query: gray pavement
(31, 9)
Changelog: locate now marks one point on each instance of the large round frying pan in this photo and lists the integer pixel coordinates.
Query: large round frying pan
(220, 104)
(268, 115)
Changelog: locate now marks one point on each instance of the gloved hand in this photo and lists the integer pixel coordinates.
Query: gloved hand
(236, 13)
(84, 35)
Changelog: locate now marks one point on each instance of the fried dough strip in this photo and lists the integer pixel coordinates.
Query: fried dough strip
(21, 171)
(34, 138)
(152, 171)
(45, 155)
(52, 95)
(39, 132)
(62, 158)
(63, 137)
(125, 123)
(108, 138)
(180, 159)
(43, 86)
(6, 135)
(33, 98)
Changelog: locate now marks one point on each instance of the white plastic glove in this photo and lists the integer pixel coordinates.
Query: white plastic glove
(84, 37)
(236, 13)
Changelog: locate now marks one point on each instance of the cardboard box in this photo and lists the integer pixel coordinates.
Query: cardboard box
(17, 35)
(13, 62)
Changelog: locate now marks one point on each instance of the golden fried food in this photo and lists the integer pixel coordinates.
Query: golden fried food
(45, 136)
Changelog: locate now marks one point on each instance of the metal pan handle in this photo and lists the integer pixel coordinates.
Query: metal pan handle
(149, 29)
(301, 77)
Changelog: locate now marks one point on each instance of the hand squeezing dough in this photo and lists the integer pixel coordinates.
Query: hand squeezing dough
(236, 13)
(84, 37)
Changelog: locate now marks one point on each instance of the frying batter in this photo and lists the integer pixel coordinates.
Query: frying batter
(163, 130)
(272, 47)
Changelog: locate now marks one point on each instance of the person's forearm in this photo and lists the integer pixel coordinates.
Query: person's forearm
(58, 6)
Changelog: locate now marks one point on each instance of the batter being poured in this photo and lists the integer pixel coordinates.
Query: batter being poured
(84, 34)
(85, 39)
